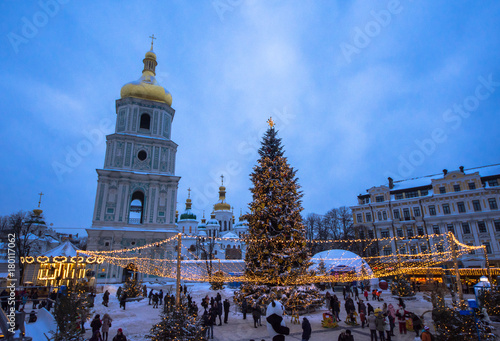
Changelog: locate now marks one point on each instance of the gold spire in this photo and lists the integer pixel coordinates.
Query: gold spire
(38, 211)
(203, 220)
(270, 122)
(222, 205)
(188, 200)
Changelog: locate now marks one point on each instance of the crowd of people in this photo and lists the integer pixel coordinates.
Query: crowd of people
(213, 309)
(100, 329)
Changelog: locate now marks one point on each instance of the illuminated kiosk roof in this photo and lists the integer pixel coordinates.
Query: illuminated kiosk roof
(338, 259)
(66, 249)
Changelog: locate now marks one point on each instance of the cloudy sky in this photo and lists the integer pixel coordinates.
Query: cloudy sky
(359, 91)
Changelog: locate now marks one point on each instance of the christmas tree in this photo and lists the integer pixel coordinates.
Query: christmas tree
(132, 288)
(70, 309)
(402, 287)
(276, 257)
(178, 324)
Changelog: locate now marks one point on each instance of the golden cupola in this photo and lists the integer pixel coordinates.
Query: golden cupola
(147, 86)
(222, 205)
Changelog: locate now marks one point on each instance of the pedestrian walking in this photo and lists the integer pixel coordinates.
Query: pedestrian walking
(256, 314)
(106, 324)
(366, 295)
(160, 297)
(96, 324)
(379, 324)
(226, 309)
(244, 306)
(373, 328)
(306, 329)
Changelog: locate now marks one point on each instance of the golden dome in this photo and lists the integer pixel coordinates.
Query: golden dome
(222, 206)
(147, 87)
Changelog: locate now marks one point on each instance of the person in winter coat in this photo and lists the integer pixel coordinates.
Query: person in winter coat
(96, 324)
(119, 336)
(366, 294)
(379, 324)
(156, 298)
(160, 297)
(401, 315)
(373, 328)
(150, 296)
(362, 318)
(218, 307)
(417, 323)
(361, 307)
(345, 335)
(369, 308)
(306, 329)
(106, 323)
(392, 317)
(426, 334)
(105, 298)
(123, 300)
(244, 307)
(256, 314)
(336, 308)
(226, 309)
(387, 327)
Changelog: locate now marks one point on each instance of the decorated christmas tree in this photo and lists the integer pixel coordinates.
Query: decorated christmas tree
(276, 259)
(132, 288)
(177, 324)
(402, 287)
(70, 309)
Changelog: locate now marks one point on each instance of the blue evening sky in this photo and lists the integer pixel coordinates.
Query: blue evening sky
(359, 90)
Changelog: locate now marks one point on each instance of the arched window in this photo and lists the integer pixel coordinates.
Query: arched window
(189, 229)
(145, 121)
(183, 229)
(136, 208)
(225, 225)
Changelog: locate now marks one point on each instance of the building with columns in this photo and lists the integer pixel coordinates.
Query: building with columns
(463, 201)
(137, 187)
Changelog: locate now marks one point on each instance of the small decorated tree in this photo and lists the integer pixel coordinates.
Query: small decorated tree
(71, 308)
(402, 287)
(177, 325)
(132, 288)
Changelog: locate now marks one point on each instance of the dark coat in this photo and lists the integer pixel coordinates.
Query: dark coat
(306, 329)
(226, 306)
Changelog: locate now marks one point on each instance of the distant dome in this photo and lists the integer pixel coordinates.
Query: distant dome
(341, 259)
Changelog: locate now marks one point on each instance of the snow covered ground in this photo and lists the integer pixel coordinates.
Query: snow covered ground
(138, 317)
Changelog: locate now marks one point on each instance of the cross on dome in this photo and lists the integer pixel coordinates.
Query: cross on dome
(152, 40)
(222, 179)
(40, 200)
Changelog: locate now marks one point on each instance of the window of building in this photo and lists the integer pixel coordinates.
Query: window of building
(402, 250)
(461, 207)
(399, 196)
(472, 251)
(409, 232)
(481, 226)
(361, 234)
(387, 252)
(456, 188)
(413, 250)
(106, 244)
(359, 218)
(400, 232)
(488, 247)
(366, 200)
(439, 247)
(493, 203)
(424, 192)
(368, 216)
(466, 228)
(406, 213)
(379, 198)
(412, 194)
(435, 229)
(477, 205)
(432, 210)
(493, 183)
(442, 190)
(396, 214)
(145, 121)
(497, 225)
(423, 248)
(379, 215)
(472, 185)
(451, 228)
(384, 234)
(371, 235)
(446, 209)
(384, 215)
(420, 230)
(416, 211)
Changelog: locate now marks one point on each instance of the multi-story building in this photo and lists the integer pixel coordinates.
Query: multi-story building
(464, 202)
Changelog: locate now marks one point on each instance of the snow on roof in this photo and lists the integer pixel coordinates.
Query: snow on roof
(335, 258)
(230, 234)
(128, 228)
(66, 249)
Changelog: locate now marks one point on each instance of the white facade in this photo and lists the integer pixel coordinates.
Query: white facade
(464, 202)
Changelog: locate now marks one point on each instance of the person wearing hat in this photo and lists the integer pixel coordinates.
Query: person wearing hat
(426, 334)
(119, 336)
